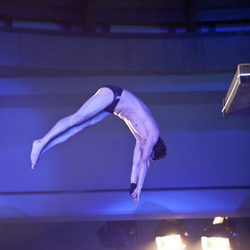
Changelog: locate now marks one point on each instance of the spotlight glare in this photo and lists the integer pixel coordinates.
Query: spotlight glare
(215, 243)
(170, 242)
(218, 220)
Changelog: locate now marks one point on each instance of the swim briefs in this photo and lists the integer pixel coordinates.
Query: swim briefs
(117, 95)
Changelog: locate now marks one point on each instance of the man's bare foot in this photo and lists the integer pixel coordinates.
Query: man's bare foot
(35, 152)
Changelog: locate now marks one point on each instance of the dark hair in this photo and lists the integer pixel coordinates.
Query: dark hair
(159, 150)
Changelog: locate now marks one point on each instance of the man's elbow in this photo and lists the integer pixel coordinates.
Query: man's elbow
(144, 162)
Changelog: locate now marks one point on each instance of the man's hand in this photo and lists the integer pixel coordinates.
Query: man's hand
(133, 191)
(132, 188)
(136, 194)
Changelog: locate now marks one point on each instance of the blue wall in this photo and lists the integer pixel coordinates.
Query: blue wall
(207, 168)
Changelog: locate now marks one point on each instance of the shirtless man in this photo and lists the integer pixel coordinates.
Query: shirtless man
(128, 107)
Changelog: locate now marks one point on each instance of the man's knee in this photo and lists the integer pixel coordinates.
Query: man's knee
(75, 119)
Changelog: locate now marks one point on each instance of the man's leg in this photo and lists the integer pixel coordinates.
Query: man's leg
(74, 130)
(97, 103)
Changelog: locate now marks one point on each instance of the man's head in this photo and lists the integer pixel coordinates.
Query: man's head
(159, 150)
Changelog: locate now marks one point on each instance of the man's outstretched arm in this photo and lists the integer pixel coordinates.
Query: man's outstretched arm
(136, 161)
(142, 170)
